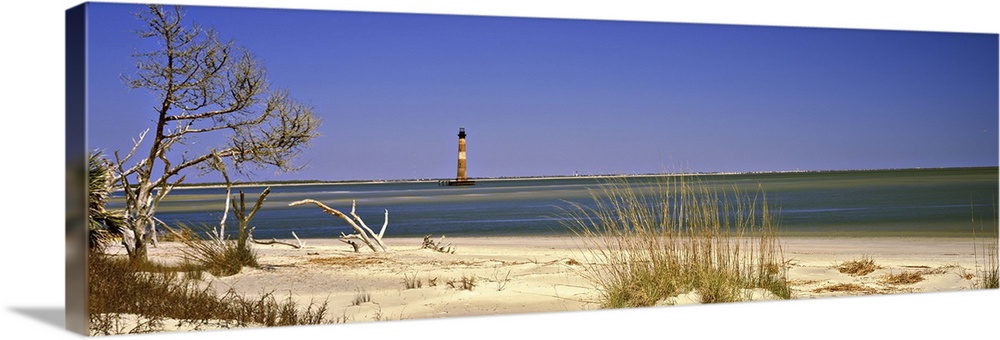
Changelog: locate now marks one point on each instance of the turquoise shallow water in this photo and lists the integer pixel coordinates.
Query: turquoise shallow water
(916, 202)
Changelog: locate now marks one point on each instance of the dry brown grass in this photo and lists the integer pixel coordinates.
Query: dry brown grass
(938, 270)
(846, 287)
(347, 261)
(903, 278)
(412, 282)
(802, 282)
(465, 283)
(361, 296)
(860, 267)
(154, 293)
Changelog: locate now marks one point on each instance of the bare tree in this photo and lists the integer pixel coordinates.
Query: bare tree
(207, 90)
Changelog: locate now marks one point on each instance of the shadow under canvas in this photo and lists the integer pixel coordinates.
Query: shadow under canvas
(53, 316)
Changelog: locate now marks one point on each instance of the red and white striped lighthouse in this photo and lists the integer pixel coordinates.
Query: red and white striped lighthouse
(461, 178)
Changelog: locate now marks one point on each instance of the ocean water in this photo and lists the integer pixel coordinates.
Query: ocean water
(915, 202)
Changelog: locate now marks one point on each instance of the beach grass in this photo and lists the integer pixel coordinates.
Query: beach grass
(412, 282)
(985, 252)
(465, 283)
(150, 294)
(642, 245)
(903, 278)
(987, 271)
(361, 295)
(861, 267)
(846, 287)
(219, 257)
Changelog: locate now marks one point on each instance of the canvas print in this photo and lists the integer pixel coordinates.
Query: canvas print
(251, 167)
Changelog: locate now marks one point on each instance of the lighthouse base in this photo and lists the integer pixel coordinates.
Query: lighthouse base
(456, 183)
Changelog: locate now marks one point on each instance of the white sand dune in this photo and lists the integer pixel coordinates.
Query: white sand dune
(543, 274)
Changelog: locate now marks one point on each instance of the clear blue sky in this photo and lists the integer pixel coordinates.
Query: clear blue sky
(554, 97)
(35, 109)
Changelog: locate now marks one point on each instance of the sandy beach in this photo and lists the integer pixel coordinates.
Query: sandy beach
(511, 275)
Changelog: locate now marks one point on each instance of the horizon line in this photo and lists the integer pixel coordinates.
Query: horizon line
(435, 179)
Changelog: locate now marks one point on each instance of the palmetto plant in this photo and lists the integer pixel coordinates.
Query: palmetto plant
(102, 224)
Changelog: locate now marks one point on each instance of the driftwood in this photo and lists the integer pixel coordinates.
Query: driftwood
(273, 241)
(355, 245)
(243, 218)
(437, 246)
(362, 231)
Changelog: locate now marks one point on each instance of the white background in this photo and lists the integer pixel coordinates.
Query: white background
(32, 264)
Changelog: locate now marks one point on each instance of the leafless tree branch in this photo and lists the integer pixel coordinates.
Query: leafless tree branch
(203, 85)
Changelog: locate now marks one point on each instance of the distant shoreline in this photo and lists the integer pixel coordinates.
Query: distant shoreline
(210, 185)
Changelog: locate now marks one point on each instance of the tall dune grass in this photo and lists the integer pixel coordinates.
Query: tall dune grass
(985, 250)
(987, 268)
(220, 257)
(644, 244)
(989, 274)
